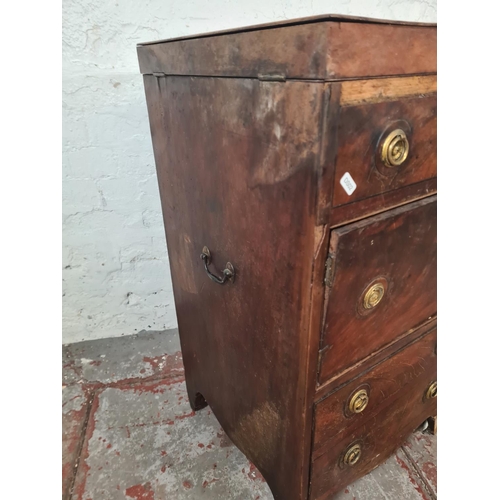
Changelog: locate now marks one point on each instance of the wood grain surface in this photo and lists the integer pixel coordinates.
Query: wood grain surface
(414, 364)
(398, 246)
(361, 130)
(378, 437)
(356, 92)
(235, 161)
(322, 50)
(252, 130)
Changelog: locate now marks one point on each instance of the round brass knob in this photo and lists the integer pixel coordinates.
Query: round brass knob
(373, 296)
(352, 455)
(432, 391)
(359, 401)
(395, 148)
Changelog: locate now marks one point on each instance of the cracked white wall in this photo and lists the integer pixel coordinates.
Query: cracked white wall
(115, 266)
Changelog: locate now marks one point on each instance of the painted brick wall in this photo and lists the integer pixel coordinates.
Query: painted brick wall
(115, 268)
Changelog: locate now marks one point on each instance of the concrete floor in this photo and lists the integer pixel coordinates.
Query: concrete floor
(129, 433)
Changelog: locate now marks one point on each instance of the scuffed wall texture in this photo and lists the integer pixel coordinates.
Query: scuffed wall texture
(115, 267)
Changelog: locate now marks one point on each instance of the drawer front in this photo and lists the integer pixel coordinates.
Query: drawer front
(379, 159)
(381, 283)
(358, 450)
(359, 400)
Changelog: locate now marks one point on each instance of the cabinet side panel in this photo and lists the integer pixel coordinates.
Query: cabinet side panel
(235, 161)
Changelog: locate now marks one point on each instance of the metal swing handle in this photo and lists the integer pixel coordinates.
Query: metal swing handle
(227, 274)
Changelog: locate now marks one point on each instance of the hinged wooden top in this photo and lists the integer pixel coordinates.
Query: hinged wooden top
(292, 22)
(328, 47)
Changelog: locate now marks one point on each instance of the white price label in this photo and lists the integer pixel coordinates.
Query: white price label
(347, 182)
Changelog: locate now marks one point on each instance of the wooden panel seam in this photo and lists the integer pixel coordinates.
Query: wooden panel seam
(421, 330)
(315, 301)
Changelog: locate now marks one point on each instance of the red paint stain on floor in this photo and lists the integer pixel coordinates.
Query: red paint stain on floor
(167, 364)
(417, 486)
(155, 388)
(72, 427)
(187, 415)
(140, 492)
(430, 471)
(225, 442)
(79, 488)
(255, 475)
(71, 365)
(138, 384)
(208, 483)
(152, 386)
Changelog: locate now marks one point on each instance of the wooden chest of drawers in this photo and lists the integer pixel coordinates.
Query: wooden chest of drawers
(297, 173)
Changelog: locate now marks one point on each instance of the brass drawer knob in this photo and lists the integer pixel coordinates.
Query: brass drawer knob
(432, 391)
(373, 296)
(395, 148)
(359, 401)
(352, 455)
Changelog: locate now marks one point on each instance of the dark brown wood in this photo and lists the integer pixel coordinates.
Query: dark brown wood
(359, 131)
(292, 22)
(376, 204)
(398, 246)
(322, 237)
(384, 384)
(325, 49)
(433, 424)
(235, 162)
(249, 167)
(359, 51)
(378, 436)
(350, 143)
(328, 151)
(373, 359)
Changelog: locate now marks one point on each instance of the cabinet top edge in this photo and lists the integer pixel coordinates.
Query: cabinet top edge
(291, 22)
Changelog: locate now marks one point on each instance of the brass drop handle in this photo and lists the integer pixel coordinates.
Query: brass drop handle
(352, 455)
(432, 391)
(395, 148)
(359, 401)
(227, 274)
